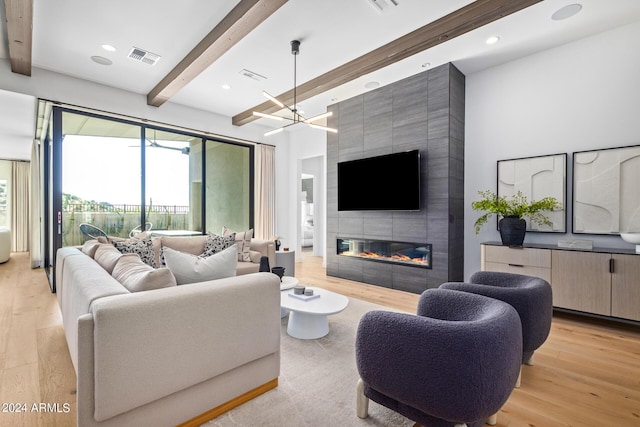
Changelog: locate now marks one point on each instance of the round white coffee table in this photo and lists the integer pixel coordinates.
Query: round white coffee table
(286, 283)
(308, 319)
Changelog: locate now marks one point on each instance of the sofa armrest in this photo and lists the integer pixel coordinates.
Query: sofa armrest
(266, 248)
(173, 338)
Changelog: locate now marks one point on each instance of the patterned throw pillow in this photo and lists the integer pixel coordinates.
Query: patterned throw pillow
(215, 244)
(243, 240)
(142, 247)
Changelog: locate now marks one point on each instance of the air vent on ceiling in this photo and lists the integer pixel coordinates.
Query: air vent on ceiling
(142, 55)
(252, 75)
(382, 5)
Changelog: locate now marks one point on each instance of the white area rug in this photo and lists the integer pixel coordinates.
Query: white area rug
(317, 384)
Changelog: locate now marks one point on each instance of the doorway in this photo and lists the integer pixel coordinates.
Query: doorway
(306, 213)
(311, 206)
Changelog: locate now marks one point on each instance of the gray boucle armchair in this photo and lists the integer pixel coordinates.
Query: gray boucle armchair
(455, 362)
(530, 296)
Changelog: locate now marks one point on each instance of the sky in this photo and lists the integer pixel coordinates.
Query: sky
(108, 170)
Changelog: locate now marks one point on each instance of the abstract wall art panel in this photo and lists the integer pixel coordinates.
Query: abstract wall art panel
(537, 178)
(606, 191)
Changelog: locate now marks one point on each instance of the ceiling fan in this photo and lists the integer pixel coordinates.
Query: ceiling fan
(296, 117)
(183, 150)
(154, 144)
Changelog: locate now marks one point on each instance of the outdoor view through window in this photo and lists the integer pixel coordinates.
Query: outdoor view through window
(102, 180)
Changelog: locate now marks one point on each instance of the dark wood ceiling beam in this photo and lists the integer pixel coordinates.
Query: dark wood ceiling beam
(459, 22)
(243, 19)
(19, 14)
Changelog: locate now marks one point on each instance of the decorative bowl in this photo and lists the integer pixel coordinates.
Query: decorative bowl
(632, 238)
(279, 271)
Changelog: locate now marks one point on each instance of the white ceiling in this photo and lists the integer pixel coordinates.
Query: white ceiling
(66, 33)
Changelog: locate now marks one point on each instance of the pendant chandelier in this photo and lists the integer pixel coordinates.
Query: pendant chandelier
(295, 116)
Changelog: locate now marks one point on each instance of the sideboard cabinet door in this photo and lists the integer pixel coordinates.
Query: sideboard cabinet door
(625, 287)
(581, 281)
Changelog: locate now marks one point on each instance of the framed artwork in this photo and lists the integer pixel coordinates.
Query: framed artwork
(537, 178)
(606, 199)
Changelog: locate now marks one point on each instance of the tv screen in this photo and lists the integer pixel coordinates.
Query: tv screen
(389, 182)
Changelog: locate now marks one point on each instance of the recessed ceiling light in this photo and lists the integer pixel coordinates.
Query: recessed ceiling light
(566, 12)
(493, 40)
(108, 48)
(426, 65)
(334, 99)
(371, 85)
(226, 86)
(101, 60)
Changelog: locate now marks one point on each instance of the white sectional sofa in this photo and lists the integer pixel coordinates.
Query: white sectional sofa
(166, 356)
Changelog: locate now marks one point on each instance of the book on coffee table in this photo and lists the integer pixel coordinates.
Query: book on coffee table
(305, 297)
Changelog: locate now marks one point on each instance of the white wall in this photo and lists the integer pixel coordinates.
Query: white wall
(580, 96)
(57, 87)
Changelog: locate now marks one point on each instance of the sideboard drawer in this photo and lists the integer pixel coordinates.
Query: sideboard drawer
(541, 272)
(525, 257)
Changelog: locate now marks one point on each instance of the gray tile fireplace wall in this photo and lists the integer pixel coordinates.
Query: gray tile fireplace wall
(424, 112)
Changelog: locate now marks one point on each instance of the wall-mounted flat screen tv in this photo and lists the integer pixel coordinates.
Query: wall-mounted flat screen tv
(381, 183)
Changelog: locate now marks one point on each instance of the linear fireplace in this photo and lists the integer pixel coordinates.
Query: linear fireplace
(411, 254)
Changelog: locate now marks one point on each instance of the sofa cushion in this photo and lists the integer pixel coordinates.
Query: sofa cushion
(189, 268)
(255, 256)
(243, 240)
(107, 256)
(90, 246)
(215, 243)
(141, 247)
(136, 275)
(247, 268)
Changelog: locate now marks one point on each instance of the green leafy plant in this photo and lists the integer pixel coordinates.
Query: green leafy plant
(516, 206)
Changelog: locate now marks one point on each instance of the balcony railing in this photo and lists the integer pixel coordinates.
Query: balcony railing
(123, 208)
(120, 219)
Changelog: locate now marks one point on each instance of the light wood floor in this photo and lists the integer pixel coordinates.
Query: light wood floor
(586, 374)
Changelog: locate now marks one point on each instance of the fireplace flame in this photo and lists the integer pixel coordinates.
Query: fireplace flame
(396, 256)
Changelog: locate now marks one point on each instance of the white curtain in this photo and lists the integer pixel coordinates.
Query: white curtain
(265, 199)
(35, 249)
(20, 178)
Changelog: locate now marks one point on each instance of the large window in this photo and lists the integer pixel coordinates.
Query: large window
(100, 176)
(118, 175)
(173, 181)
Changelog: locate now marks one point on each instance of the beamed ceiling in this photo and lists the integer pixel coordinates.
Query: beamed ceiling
(344, 44)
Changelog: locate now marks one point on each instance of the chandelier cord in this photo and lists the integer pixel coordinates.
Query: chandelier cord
(295, 106)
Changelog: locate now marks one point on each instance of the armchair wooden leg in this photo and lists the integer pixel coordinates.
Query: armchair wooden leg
(493, 419)
(362, 401)
(519, 378)
(529, 361)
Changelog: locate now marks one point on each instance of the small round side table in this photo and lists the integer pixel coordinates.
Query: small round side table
(287, 259)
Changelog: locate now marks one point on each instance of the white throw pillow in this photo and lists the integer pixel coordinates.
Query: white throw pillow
(188, 268)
